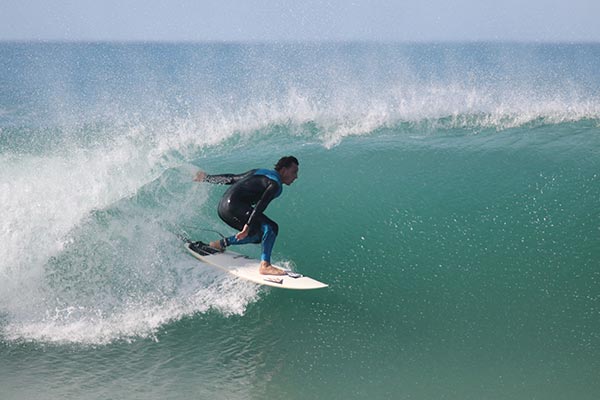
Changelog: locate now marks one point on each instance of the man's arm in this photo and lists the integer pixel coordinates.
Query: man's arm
(222, 179)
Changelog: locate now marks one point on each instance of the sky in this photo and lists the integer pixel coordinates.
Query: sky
(300, 20)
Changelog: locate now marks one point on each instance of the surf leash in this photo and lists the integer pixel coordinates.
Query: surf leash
(185, 236)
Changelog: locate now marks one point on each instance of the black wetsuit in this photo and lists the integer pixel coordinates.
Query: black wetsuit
(245, 202)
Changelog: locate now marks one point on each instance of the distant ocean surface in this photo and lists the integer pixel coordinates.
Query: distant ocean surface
(448, 193)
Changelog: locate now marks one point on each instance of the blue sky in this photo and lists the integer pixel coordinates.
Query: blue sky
(301, 20)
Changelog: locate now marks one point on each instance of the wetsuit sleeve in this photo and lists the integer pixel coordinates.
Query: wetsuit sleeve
(268, 195)
(227, 179)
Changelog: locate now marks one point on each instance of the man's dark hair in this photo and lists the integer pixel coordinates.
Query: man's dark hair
(286, 162)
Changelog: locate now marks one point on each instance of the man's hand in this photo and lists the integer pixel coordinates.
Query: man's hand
(241, 235)
(200, 176)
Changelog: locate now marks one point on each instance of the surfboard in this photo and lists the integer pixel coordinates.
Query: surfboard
(246, 268)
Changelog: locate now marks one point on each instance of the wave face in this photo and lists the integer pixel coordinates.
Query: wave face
(448, 193)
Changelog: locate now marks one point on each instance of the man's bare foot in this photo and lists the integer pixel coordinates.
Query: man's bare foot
(267, 269)
(216, 245)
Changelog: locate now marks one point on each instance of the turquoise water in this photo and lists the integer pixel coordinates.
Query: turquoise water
(447, 193)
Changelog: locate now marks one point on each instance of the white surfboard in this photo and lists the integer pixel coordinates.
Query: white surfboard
(247, 268)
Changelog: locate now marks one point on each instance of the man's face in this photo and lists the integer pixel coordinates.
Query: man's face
(289, 174)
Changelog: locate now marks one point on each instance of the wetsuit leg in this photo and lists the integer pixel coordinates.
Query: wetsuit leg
(232, 240)
(234, 215)
(269, 229)
(263, 230)
(268, 241)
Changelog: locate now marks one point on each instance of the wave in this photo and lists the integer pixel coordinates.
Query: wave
(89, 253)
(95, 168)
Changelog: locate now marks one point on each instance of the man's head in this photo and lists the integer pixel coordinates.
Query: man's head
(287, 167)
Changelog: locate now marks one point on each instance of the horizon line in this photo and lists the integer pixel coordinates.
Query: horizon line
(294, 42)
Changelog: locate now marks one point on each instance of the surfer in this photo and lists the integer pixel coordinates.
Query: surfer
(243, 204)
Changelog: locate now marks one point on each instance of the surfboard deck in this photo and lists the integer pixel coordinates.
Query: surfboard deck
(246, 268)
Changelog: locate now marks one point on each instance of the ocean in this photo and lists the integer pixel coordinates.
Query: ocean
(449, 194)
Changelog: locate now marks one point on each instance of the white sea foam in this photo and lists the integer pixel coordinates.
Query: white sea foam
(73, 274)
